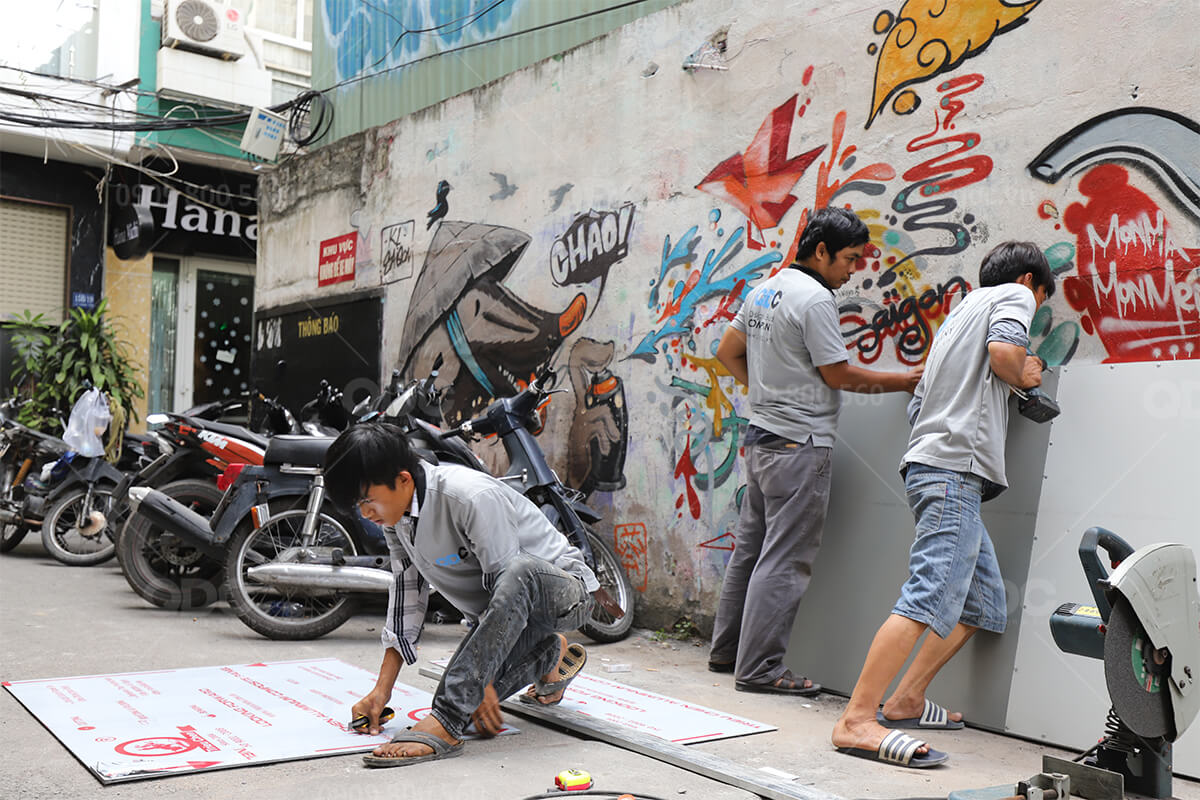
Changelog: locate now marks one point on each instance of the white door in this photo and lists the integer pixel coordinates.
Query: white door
(214, 321)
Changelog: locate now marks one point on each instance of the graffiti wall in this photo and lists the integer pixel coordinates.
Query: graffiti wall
(605, 213)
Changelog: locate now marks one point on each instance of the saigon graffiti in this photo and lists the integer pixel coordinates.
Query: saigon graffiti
(926, 38)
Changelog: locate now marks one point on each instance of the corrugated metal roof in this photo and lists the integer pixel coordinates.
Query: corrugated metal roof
(385, 75)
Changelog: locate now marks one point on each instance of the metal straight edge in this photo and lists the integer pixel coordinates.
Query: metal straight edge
(710, 766)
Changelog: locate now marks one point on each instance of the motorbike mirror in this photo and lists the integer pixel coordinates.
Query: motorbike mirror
(437, 362)
(280, 368)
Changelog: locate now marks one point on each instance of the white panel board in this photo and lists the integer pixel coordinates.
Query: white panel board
(1124, 455)
(152, 724)
(649, 713)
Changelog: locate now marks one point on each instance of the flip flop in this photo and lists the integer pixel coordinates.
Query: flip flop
(797, 688)
(569, 666)
(934, 717)
(440, 750)
(899, 749)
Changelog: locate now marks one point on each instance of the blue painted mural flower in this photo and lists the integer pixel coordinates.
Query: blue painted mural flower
(367, 39)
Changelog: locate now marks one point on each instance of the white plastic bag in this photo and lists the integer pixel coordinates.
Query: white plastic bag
(89, 420)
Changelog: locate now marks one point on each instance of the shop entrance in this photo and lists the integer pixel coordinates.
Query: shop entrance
(201, 323)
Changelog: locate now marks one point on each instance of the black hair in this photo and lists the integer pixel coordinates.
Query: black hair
(366, 455)
(1009, 261)
(838, 228)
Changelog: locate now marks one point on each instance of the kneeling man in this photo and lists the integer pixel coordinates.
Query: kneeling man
(490, 552)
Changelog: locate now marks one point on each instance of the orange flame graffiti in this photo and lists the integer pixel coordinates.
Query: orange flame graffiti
(930, 37)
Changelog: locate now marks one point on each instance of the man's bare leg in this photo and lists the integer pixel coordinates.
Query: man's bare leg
(909, 698)
(857, 727)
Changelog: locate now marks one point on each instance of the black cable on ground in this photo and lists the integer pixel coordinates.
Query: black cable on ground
(602, 793)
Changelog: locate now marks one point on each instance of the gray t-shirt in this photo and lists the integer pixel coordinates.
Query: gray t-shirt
(467, 529)
(963, 419)
(791, 327)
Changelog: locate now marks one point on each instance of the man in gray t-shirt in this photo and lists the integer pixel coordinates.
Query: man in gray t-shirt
(954, 461)
(493, 554)
(786, 345)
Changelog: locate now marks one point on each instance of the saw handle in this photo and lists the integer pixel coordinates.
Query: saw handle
(1118, 550)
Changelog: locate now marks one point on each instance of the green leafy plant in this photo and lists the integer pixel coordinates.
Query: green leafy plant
(682, 630)
(57, 363)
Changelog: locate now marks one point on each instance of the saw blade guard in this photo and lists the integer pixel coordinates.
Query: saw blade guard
(1159, 583)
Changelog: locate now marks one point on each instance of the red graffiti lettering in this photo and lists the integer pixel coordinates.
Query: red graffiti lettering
(1137, 287)
(631, 544)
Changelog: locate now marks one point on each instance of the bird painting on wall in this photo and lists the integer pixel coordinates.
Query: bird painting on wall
(442, 207)
(506, 188)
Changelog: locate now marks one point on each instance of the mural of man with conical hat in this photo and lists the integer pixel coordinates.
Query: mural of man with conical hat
(493, 342)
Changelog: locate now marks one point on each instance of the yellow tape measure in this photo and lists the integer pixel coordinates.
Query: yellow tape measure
(572, 780)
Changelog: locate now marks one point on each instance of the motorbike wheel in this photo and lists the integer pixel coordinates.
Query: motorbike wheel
(66, 541)
(602, 627)
(11, 533)
(283, 613)
(164, 571)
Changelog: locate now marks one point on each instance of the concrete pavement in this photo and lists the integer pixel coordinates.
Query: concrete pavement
(60, 621)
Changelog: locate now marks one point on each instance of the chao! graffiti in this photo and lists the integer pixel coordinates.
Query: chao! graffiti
(590, 247)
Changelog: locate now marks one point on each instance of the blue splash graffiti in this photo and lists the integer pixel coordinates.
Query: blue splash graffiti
(683, 253)
(366, 39)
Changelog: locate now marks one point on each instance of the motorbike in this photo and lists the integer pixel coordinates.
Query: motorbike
(295, 565)
(164, 569)
(21, 448)
(69, 498)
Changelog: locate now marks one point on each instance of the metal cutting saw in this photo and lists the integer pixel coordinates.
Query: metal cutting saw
(1145, 626)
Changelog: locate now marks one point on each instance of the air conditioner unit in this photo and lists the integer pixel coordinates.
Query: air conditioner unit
(207, 27)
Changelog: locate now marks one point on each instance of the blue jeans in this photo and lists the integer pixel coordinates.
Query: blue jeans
(953, 575)
(514, 642)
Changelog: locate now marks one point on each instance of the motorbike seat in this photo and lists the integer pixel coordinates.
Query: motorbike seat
(305, 451)
(234, 431)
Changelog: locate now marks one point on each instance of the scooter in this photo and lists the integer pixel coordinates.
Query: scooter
(164, 569)
(21, 448)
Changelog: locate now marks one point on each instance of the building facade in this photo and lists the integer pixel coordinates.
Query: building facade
(161, 223)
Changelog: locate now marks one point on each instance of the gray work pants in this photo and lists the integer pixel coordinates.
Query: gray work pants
(777, 538)
(514, 642)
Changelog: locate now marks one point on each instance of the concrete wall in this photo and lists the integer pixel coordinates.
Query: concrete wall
(617, 207)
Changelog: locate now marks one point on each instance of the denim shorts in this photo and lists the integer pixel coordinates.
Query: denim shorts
(953, 575)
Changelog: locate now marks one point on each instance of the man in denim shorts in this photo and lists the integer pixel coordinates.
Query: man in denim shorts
(786, 345)
(955, 460)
